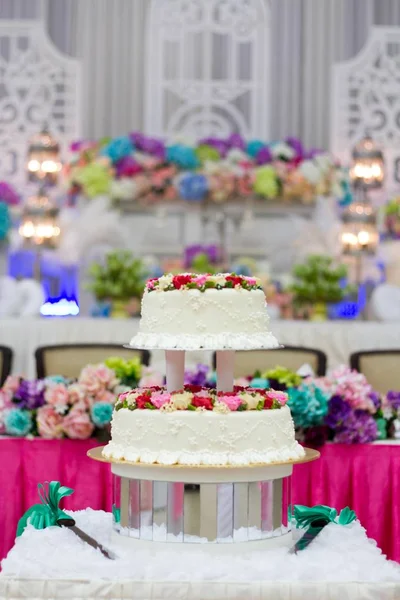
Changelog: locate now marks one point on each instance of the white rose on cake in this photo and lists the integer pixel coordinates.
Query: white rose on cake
(181, 400)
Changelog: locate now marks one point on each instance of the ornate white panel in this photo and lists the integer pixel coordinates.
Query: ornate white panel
(38, 85)
(207, 68)
(366, 98)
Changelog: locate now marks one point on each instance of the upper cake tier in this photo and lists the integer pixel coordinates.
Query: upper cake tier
(212, 312)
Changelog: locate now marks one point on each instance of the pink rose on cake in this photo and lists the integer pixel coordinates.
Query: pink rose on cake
(57, 395)
(200, 280)
(77, 425)
(158, 399)
(49, 423)
(271, 395)
(231, 399)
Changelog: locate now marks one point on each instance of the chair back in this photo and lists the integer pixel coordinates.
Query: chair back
(6, 359)
(69, 359)
(248, 362)
(380, 367)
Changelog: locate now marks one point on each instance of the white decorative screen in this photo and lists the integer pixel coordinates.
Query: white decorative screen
(38, 86)
(366, 99)
(208, 68)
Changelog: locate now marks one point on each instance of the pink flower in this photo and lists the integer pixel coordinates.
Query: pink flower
(89, 380)
(5, 403)
(200, 280)
(77, 425)
(57, 394)
(158, 399)
(150, 378)
(231, 400)
(49, 423)
(281, 397)
(76, 393)
(251, 280)
(106, 376)
(105, 396)
(11, 384)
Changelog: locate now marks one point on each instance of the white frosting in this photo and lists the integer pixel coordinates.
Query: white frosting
(203, 438)
(214, 319)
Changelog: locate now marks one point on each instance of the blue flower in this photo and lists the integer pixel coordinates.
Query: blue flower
(193, 186)
(18, 422)
(55, 379)
(101, 413)
(347, 196)
(5, 221)
(308, 405)
(183, 156)
(118, 148)
(253, 147)
(260, 382)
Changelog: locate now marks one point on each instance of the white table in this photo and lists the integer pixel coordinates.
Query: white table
(338, 339)
(53, 589)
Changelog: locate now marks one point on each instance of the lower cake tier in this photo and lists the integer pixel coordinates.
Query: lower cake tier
(203, 438)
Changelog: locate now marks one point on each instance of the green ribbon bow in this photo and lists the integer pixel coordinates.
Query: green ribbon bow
(315, 519)
(48, 512)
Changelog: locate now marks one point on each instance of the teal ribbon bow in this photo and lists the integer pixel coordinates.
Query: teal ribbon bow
(314, 519)
(48, 512)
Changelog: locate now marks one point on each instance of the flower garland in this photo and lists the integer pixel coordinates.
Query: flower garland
(144, 169)
(189, 281)
(197, 398)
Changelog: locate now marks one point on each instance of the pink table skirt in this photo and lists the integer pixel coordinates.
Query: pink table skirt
(364, 477)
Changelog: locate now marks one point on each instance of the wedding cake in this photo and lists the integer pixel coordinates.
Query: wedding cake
(193, 425)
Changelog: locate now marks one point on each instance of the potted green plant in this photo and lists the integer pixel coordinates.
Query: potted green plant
(317, 283)
(120, 280)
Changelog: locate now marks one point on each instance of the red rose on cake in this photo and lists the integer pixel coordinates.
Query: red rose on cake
(179, 281)
(235, 279)
(202, 402)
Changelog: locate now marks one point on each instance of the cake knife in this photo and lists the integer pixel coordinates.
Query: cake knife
(70, 523)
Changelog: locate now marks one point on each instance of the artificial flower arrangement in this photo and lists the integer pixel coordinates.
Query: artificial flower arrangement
(318, 282)
(202, 282)
(392, 218)
(119, 281)
(341, 407)
(54, 407)
(147, 170)
(8, 198)
(197, 398)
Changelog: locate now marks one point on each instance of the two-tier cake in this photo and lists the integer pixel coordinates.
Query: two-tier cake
(188, 425)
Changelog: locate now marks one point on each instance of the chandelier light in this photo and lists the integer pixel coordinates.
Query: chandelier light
(368, 166)
(39, 225)
(44, 162)
(359, 230)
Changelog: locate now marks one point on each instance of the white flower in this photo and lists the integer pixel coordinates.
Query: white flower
(282, 149)
(221, 408)
(164, 281)
(218, 279)
(323, 161)
(236, 155)
(310, 171)
(181, 400)
(250, 400)
(123, 189)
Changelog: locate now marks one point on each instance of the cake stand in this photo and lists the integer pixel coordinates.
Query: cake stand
(223, 508)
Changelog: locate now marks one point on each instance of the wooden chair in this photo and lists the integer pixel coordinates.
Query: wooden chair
(6, 360)
(380, 367)
(248, 362)
(69, 359)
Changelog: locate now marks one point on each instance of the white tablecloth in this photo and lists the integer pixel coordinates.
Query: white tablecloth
(338, 339)
(14, 589)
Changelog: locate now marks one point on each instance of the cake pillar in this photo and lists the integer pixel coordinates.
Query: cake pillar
(175, 369)
(225, 366)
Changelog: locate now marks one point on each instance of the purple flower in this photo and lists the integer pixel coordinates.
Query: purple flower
(310, 154)
(236, 141)
(297, 146)
(338, 413)
(198, 376)
(376, 400)
(360, 428)
(220, 145)
(8, 194)
(393, 399)
(128, 167)
(212, 251)
(147, 144)
(30, 394)
(264, 156)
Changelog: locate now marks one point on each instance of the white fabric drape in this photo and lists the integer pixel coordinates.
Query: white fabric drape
(308, 36)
